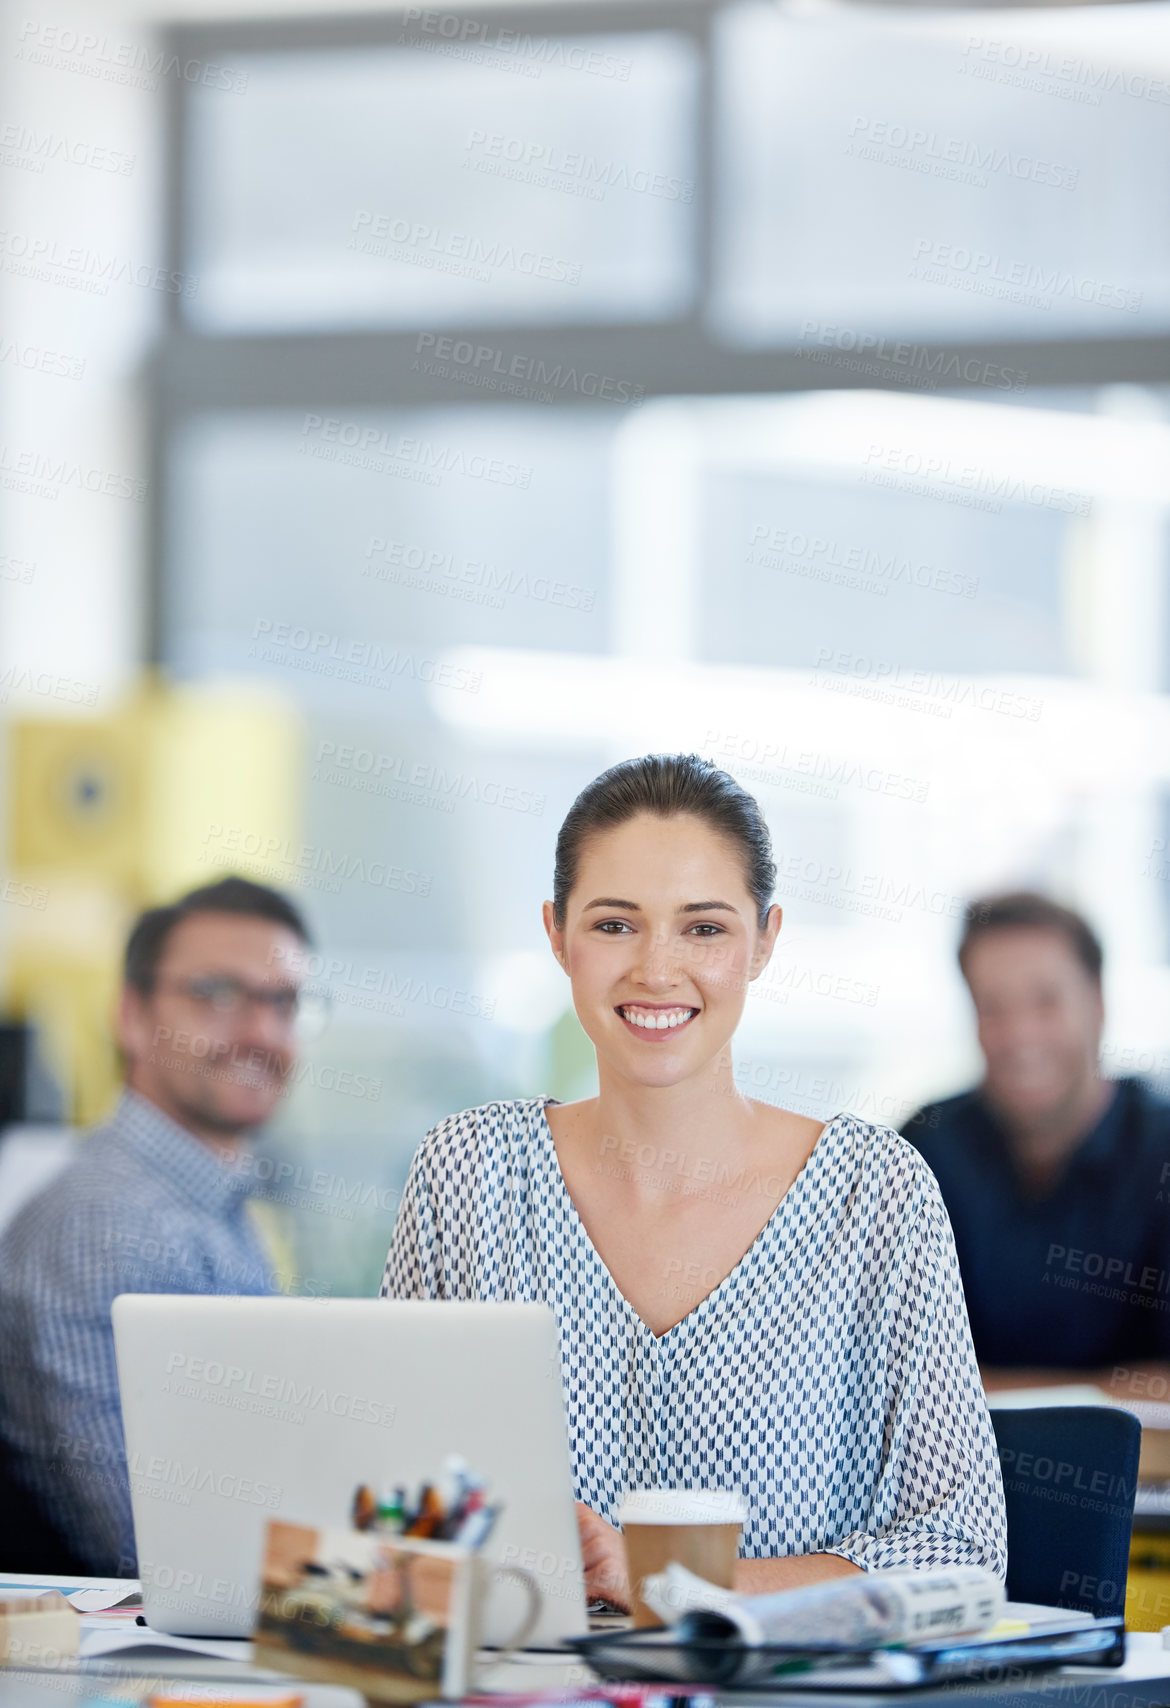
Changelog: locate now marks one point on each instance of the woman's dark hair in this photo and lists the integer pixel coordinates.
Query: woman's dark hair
(665, 784)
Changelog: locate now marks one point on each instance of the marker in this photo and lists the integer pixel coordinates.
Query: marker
(477, 1527)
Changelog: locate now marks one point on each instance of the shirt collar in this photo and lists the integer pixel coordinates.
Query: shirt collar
(1096, 1151)
(187, 1163)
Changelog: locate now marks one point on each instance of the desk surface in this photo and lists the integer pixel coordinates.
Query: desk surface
(1143, 1682)
(1145, 1685)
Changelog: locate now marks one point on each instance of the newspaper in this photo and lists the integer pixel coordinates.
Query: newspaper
(860, 1612)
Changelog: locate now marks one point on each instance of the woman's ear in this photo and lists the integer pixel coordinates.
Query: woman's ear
(556, 936)
(766, 941)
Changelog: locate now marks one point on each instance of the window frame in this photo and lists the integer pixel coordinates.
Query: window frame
(194, 371)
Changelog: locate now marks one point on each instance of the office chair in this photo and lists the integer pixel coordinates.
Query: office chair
(28, 1540)
(1069, 1480)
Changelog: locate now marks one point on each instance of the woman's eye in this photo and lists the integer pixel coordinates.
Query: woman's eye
(613, 927)
(705, 930)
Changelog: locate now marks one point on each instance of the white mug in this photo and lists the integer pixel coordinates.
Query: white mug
(487, 1573)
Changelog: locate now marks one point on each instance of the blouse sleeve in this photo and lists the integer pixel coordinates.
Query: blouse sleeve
(414, 1264)
(939, 1495)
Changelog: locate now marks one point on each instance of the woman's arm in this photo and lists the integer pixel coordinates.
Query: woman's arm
(938, 1500)
(603, 1555)
(414, 1263)
(790, 1571)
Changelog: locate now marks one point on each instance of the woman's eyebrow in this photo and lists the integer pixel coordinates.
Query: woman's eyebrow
(687, 907)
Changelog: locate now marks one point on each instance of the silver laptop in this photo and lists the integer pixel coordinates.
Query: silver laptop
(241, 1410)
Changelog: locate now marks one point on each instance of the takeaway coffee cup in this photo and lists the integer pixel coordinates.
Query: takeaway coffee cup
(699, 1528)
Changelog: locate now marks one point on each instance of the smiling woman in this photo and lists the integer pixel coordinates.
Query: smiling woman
(747, 1299)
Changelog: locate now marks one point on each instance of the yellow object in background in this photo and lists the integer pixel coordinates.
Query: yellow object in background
(271, 1226)
(148, 800)
(109, 815)
(1147, 1593)
(70, 999)
(76, 801)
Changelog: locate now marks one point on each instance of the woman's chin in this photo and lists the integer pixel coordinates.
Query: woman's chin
(662, 1066)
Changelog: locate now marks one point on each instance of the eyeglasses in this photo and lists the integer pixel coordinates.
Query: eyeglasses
(306, 1011)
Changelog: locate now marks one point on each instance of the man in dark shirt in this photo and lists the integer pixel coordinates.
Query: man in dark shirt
(1057, 1181)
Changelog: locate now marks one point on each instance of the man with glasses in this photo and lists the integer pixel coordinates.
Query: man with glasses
(155, 1201)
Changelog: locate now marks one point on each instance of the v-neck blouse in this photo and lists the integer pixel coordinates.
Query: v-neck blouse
(830, 1377)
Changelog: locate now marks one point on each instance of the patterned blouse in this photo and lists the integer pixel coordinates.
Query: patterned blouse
(830, 1377)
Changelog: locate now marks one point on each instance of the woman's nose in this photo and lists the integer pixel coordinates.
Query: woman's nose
(660, 965)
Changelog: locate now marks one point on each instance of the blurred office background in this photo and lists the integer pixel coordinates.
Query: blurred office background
(409, 411)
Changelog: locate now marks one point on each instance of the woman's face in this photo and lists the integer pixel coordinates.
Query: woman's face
(661, 940)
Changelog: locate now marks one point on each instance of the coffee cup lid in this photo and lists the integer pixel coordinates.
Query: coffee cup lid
(682, 1506)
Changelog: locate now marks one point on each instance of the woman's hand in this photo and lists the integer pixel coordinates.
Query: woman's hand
(789, 1571)
(603, 1554)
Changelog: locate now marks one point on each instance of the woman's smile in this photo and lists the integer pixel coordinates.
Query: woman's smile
(655, 1019)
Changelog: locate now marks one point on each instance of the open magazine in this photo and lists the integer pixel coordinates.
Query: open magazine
(857, 1612)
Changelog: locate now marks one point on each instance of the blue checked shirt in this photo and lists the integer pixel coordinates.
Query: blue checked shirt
(144, 1208)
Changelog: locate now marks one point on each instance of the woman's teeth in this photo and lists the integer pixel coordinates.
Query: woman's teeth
(657, 1020)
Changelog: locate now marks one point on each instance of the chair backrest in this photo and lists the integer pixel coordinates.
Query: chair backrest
(28, 1540)
(1069, 1480)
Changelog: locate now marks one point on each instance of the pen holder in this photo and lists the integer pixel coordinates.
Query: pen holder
(395, 1617)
